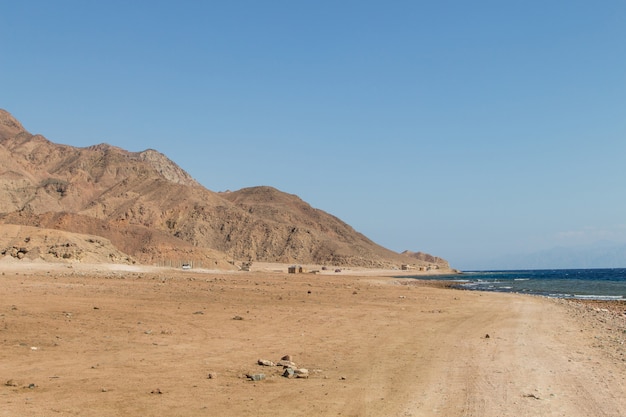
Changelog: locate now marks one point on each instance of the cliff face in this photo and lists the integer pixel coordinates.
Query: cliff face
(151, 209)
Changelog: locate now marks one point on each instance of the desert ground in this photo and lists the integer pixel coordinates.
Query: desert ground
(102, 340)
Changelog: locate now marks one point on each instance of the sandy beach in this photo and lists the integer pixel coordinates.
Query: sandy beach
(138, 341)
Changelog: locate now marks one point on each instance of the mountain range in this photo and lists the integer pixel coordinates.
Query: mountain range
(149, 210)
(601, 254)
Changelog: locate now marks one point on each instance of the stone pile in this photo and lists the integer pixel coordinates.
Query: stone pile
(290, 369)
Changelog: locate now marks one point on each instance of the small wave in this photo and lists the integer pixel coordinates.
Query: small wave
(598, 297)
(521, 279)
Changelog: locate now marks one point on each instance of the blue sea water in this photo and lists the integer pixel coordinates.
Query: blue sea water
(597, 284)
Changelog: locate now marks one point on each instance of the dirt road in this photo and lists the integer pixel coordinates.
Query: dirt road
(133, 343)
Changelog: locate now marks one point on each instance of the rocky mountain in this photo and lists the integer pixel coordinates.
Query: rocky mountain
(152, 210)
(427, 258)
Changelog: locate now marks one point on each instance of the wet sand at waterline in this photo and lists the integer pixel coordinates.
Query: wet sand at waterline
(138, 341)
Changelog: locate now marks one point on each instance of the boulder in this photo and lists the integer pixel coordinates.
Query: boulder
(286, 364)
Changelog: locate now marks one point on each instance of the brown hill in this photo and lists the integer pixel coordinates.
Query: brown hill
(34, 243)
(427, 258)
(152, 210)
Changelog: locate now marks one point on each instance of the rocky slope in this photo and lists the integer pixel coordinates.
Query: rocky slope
(153, 211)
(34, 243)
(427, 258)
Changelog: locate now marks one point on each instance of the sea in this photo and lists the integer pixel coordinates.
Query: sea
(593, 284)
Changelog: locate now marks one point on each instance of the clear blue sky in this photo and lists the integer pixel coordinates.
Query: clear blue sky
(465, 129)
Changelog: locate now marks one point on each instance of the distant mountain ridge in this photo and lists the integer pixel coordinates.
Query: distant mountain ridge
(597, 255)
(151, 209)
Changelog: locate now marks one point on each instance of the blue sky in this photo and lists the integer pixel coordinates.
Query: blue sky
(464, 129)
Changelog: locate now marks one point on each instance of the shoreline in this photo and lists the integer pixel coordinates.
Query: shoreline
(548, 283)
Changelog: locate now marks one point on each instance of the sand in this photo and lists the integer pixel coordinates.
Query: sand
(133, 341)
